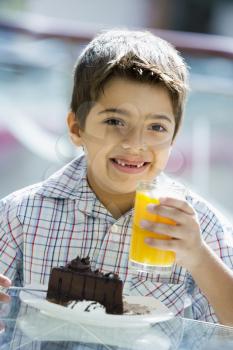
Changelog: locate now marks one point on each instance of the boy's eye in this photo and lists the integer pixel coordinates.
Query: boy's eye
(157, 127)
(114, 122)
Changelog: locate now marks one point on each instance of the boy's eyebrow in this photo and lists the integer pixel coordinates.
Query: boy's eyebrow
(115, 110)
(159, 116)
(127, 114)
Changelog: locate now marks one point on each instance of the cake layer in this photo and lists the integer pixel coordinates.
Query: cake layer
(77, 282)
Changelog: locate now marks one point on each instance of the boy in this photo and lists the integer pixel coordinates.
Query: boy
(126, 109)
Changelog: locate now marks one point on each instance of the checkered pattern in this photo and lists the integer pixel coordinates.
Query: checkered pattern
(52, 222)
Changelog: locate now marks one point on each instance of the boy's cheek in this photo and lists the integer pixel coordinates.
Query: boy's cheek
(162, 158)
(159, 165)
(94, 139)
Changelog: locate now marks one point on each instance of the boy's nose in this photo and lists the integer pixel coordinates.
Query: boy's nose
(134, 140)
(140, 148)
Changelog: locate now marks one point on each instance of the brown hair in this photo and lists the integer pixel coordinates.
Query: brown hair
(136, 55)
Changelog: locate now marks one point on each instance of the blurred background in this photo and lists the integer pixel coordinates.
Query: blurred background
(39, 44)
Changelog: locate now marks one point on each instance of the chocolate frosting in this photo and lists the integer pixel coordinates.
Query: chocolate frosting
(78, 282)
(80, 265)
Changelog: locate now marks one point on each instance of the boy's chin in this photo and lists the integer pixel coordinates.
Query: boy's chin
(122, 188)
(115, 188)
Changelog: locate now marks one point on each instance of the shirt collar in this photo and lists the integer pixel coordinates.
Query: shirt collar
(66, 182)
(70, 182)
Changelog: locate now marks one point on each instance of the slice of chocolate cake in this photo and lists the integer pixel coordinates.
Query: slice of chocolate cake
(76, 281)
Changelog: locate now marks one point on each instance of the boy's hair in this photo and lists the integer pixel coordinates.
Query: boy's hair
(136, 55)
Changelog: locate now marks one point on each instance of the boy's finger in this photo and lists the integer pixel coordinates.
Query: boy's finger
(161, 244)
(164, 229)
(5, 281)
(171, 213)
(4, 298)
(180, 204)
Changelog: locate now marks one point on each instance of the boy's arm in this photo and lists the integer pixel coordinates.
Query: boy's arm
(215, 280)
(193, 253)
(10, 233)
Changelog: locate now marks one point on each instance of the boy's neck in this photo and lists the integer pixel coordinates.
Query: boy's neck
(116, 204)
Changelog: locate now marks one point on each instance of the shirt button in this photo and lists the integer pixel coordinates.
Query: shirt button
(115, 229)
(95, 255)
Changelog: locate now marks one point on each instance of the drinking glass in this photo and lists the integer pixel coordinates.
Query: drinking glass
(143, 257)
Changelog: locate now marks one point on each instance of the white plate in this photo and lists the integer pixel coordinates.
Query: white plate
(97, 316)
(36, 325)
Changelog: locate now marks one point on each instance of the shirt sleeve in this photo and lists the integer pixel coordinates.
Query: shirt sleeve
(10, 241)
(218, 234)
(200, 307)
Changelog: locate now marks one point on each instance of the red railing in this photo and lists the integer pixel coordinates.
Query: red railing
(44, 27)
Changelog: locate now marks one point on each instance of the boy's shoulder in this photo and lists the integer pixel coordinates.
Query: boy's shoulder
(62, 184)
(211, 218)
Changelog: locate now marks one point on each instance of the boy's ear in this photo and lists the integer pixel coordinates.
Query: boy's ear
(74, 129)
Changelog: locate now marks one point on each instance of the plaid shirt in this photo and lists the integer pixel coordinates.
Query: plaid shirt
(50, 223)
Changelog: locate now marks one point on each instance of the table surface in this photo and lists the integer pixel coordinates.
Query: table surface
(25, 327)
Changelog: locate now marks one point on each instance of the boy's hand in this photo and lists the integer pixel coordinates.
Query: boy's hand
(186, 240)
(4, 283)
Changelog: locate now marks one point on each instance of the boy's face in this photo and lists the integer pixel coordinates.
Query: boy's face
(127, 136)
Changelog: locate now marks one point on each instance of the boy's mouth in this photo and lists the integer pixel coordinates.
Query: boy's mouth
(129, 166)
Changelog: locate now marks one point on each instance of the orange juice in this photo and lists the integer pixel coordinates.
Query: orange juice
(140, 252)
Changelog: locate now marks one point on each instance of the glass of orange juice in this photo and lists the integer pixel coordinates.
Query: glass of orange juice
(143, 257)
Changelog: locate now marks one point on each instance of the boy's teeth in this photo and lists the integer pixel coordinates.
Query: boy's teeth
(120, 162)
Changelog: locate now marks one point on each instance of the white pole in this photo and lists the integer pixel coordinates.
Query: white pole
(201, 154)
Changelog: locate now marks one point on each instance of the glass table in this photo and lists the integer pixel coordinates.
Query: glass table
(24, 327)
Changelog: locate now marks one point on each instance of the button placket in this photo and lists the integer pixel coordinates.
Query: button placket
(107, 256)
(114, 232)
(113, 255)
